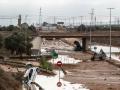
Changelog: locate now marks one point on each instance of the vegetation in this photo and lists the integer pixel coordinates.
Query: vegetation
(12, 39)
(45, 64)
(86, 28)
(32, 28)
(9, 28)
(81, 28)
(24, 27)
(1, 41)
(28, 29)
(18, 44)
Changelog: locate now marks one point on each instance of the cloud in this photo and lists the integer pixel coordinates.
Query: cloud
(57, 7)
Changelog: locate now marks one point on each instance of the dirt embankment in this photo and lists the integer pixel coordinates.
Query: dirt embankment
(10, 81)
(96, 75)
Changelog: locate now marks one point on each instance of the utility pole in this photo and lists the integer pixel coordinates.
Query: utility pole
(11, 21)
(69, 21)
(81, 18)
(73, 21)
(40, 17)
(91, 25)
(95, 21)
(26, 18)
(54, 19)
(118, 20)
(40, 24)
(81, 26)
(110, 30)
(65, 20)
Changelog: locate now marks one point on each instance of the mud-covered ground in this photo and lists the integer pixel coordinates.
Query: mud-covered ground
(97, 75)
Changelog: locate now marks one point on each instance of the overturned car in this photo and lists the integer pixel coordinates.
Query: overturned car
(99, 56)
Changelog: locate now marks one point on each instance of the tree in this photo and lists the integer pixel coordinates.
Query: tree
(81, 28)
(17, 44)
(45, 64)
(3, 28)
(1, 41)
(32, 28)
(10, 27)
(45, 24)
(9, 44)
(28, 48)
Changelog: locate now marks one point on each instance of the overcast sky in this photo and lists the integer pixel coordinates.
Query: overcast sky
(58, 7)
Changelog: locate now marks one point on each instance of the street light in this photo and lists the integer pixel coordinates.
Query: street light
(90, 30)
(91, 25)
(110, 30)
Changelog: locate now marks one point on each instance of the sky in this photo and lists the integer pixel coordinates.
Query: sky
(71, 8)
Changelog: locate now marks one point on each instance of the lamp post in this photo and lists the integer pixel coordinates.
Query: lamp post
(90, 30)
(91, 25)
(110, 31)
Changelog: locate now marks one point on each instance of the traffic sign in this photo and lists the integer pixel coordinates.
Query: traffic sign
(54, 54)
(59, 63)
(59, 84)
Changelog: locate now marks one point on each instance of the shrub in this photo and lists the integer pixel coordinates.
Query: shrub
(45, 64)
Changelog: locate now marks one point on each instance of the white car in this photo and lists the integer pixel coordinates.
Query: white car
(30, 75)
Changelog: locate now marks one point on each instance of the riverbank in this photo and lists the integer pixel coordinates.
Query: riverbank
(97, 75)
(10, 81)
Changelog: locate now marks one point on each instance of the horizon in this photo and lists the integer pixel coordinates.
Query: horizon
(65, 9)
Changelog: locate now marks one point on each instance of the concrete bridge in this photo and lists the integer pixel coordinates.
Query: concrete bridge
(83, 35)
(100, 34)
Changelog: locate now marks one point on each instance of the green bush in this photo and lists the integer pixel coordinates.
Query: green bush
(45, 64)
